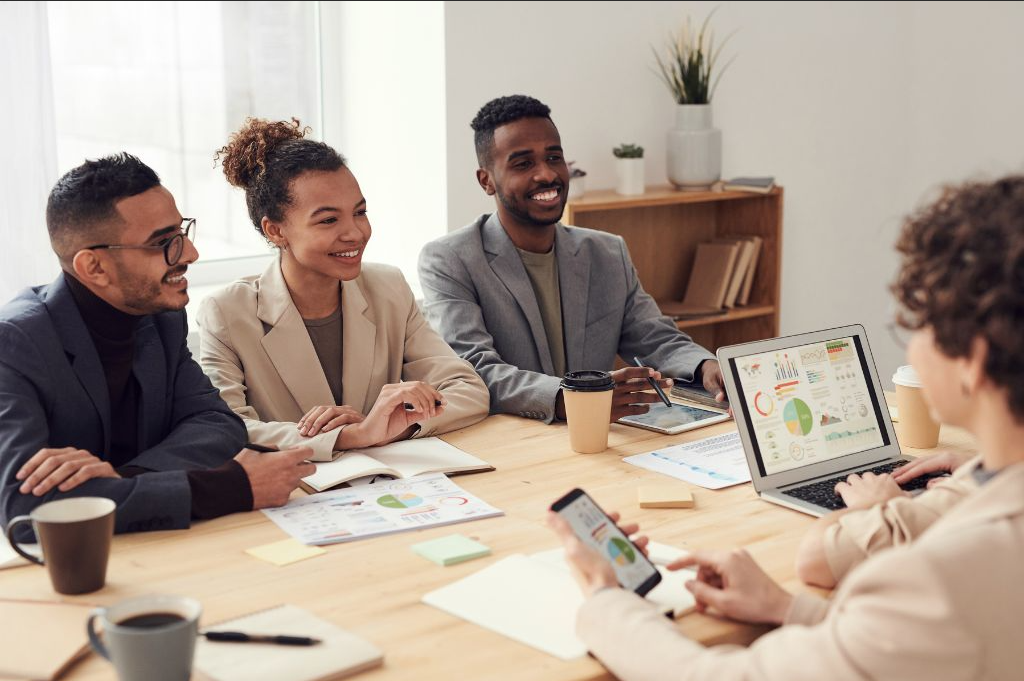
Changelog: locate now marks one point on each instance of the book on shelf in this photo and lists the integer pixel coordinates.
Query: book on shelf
(739, 270)
(761, 185)
(339, 653)
(403, 459)
(748, 279)
(709, 282)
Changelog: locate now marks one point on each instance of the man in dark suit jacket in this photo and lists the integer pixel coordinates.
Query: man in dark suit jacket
(99, 395)
(525, 298)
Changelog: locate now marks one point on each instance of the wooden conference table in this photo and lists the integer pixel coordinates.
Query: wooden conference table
(373, 587)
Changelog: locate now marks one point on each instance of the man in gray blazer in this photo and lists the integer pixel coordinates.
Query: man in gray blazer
(525, 298)
(99, 395)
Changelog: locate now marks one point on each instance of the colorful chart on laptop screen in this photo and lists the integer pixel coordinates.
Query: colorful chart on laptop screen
(808, 403)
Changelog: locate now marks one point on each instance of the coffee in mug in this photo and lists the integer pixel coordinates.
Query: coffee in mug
(915, 426)
(588, 409)
(150, 638)
(74, 535)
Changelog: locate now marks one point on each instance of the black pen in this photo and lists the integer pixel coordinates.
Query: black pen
(263, 449)
(654, 384)
(409, 407)
(239, 637)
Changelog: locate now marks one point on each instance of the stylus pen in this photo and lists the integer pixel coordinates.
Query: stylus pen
(260, 448)
(239, 637)
(654, 384)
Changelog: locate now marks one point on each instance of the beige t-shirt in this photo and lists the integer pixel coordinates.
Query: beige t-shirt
(542, 269)
(326, 336)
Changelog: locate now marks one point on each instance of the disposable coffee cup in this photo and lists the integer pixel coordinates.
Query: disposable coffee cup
(74, 535)
(915, 427)
(149, 638)
(588, 409)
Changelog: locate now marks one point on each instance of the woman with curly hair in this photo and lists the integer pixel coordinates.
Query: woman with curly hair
(321, 349)
(946, 605)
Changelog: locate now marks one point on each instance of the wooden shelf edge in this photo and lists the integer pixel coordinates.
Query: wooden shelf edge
(747, 312)
(608, 199)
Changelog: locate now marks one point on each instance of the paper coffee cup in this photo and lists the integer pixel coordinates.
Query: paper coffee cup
(916, 428)
(588, 409)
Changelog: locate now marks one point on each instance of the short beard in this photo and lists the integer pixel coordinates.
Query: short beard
(524, 216)
(141, 295)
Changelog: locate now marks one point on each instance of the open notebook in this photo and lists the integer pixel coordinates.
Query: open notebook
(339, 654)
(399, 460)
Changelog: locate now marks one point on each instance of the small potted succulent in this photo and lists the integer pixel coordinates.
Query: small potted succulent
(630, 168)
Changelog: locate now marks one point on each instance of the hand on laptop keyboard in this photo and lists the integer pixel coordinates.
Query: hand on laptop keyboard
(864, 491)
(824, 493)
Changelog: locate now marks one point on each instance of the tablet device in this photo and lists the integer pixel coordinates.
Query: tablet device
(675, 419)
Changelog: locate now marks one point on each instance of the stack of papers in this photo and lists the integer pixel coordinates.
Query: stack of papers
(714, 462)
(377, 509)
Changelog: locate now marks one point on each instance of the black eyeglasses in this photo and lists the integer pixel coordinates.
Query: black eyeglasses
(173, 246)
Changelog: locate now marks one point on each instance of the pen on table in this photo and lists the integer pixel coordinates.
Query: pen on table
(409, 407)
(239, 637)
(260, 448)
(654, 384)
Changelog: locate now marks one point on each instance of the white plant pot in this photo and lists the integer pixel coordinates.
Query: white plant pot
(631, 176)
(694, 156)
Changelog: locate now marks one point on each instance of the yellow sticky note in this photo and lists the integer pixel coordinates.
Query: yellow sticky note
(285, 552)
(665, 496)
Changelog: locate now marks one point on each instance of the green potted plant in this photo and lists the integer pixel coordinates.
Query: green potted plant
(630, 168)
(689, 70)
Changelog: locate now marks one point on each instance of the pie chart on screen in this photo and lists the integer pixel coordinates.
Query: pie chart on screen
(621, 552)
(798, 418)
(764, 404)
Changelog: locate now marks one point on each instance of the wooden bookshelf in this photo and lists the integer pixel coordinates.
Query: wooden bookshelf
(662, 228)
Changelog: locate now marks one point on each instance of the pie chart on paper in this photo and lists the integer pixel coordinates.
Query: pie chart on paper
(621, 552)
(399, 501)
(798, 417)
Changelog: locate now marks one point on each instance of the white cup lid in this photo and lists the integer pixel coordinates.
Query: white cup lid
(907, 377)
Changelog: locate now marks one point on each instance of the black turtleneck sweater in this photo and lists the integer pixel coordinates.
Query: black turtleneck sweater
(215, 492)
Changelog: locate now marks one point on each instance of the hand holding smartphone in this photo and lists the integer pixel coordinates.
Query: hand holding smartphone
(595, 529)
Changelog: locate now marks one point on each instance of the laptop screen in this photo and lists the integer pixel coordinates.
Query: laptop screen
(808, 404)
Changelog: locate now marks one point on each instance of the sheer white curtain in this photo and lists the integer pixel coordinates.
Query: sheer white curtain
(29, 166)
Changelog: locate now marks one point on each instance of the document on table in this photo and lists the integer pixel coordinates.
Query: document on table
(714, 462)
(534, 599)
(381, 508)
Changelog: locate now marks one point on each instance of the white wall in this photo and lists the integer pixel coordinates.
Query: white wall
(384, 107)
(856, 108)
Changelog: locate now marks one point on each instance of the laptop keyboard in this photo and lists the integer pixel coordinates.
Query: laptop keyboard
(823, 493)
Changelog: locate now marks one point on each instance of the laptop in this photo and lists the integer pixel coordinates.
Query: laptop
(810, 411)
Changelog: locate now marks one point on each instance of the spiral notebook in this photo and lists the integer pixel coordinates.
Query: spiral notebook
(340, 654)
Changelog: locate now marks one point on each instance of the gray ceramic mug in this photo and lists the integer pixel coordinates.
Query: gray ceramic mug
(149, 638)
(75, 536)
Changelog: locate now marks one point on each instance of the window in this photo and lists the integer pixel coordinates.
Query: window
(168, 82)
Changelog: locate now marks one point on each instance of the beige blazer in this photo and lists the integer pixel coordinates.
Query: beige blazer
(860, 534)
(257, 352)
(947, 606)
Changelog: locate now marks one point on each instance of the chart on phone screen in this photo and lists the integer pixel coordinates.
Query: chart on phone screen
(594, 528)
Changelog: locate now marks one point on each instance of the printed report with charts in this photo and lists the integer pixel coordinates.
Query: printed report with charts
(385, 507)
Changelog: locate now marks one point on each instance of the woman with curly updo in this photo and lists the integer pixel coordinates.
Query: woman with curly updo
(321, 349)
(946, 605)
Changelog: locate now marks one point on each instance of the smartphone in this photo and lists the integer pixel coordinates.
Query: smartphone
(595, 529)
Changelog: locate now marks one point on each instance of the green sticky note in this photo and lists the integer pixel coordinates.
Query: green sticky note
(455, 548)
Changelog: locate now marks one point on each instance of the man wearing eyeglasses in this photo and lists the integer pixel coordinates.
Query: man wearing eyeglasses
(99, 395)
